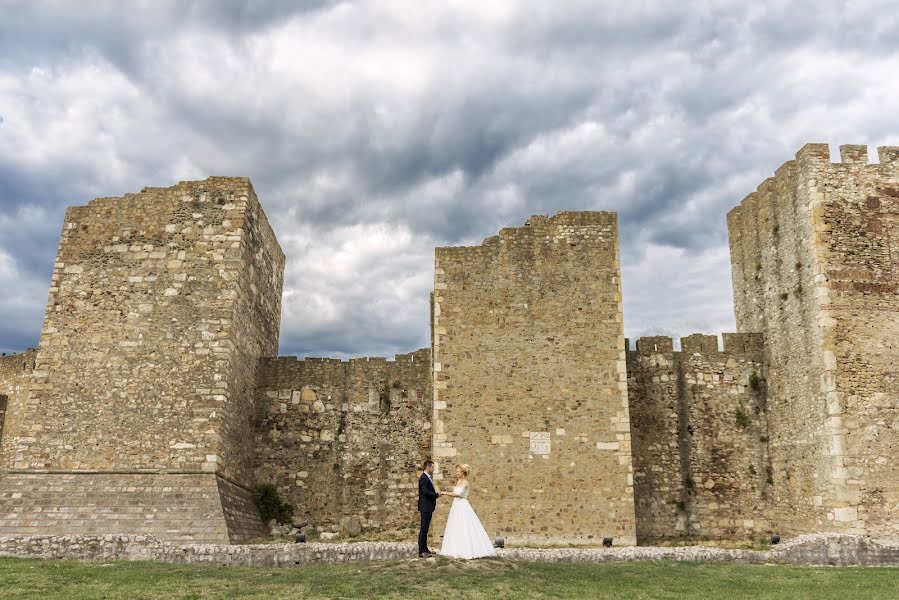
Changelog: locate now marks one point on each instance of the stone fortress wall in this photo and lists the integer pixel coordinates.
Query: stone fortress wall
(156, 401)
(530, 385)
(815, 263)
(344, 440)
(699, 427)
(15, 377)
(139, 412)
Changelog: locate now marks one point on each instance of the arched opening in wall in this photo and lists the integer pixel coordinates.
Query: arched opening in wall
(4, 401)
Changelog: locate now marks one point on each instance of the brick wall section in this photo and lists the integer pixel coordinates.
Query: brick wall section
(242, 520)
(530, 383)
(178, 508)
(161, 304)
(699, 469)
(814, 267)
(15, 380)
(346, 439)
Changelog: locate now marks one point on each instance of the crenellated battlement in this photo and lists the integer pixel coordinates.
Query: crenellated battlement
(422, 355)
(734, 343)
(817, 155)
(850, 154)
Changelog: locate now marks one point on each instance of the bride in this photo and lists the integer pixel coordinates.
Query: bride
(464, 536)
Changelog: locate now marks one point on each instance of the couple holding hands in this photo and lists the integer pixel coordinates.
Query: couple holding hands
(464, 536)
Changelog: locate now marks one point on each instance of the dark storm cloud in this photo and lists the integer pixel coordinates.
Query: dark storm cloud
(374, 131)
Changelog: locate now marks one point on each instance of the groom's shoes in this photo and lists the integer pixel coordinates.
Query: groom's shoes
(425, 555)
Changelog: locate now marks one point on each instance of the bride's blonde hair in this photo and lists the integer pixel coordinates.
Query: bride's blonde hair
(464, 468)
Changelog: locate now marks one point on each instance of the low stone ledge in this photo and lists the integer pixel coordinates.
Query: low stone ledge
(814, 549)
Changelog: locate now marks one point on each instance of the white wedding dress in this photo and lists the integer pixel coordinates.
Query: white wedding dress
(464, 536)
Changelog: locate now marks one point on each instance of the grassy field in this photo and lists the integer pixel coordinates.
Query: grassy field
(493, 579)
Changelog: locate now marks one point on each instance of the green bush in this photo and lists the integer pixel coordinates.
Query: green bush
(755, 382)
(271, 505)
(743, 420)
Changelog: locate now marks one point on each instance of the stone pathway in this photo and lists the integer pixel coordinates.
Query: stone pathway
(815, 549)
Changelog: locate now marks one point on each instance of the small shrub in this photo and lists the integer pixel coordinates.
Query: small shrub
(769, 479)
(755, 381)
(743, 420)
(752, 469)
(271, 505)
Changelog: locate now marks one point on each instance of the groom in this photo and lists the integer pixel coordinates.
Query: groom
(427, 502)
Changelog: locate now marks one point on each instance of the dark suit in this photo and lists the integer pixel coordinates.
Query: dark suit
(427, 502)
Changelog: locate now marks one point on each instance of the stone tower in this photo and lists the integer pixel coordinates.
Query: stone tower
(139, 416)
(529, 379)
(815, 257)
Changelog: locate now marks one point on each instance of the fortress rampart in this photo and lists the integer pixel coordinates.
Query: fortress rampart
(155, 401)
(15, 378)
(344, 439)
(699, 427)
(815, 263)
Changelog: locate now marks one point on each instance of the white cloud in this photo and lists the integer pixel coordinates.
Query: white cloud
(375, 130)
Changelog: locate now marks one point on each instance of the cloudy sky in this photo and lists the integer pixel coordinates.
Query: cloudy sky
(374, 131)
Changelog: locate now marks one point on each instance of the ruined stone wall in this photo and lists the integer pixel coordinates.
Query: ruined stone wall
(15, 378)
(699, 434)
(530, 383)
(161, 304)
(346, 439)
(814, 268)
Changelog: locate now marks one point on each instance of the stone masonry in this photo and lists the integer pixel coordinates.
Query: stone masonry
(343, 441)
(699, 429)
(141, 403)
(15, 377)
(815, 255)
(530, 384)
(155, 400)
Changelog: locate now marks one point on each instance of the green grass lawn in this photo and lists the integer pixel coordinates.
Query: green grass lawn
(493, 579)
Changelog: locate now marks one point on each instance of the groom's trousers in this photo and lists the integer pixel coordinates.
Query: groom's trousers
(423, 532)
